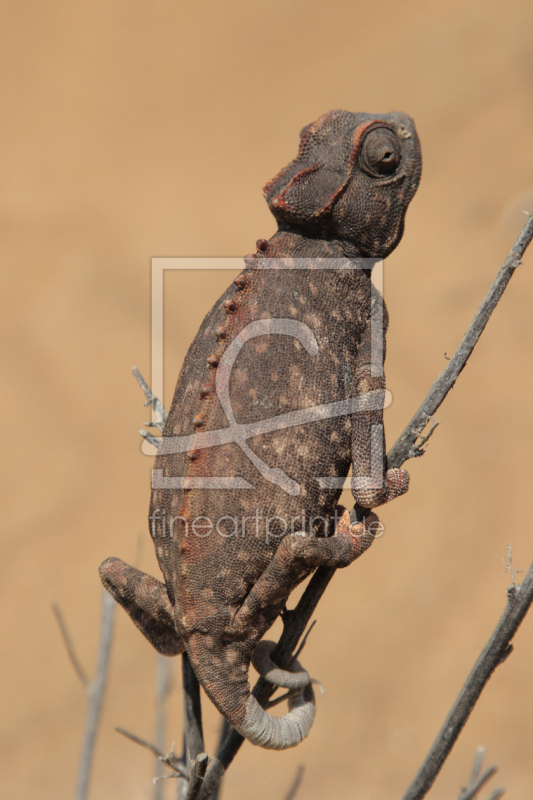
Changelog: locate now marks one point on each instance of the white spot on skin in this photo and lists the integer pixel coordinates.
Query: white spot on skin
(239, 375)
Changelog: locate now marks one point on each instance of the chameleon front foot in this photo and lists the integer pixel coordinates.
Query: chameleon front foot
(146, 601)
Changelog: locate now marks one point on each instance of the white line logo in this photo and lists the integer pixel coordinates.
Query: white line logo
(239, 434)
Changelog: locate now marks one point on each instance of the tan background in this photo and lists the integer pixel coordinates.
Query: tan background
(135, 129)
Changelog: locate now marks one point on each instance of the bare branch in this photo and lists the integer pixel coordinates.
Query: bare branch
(405, 446)
(176, 764)
(157, 753)
(158, 409)
(95, 695)
(183, 785)
(476, 783)
(192, 711)
(471, 792)
(80, 672)
(494, 653)
(170, 759)
(497, 793)
(478, 763)
(225, 728)
(162, 691)
(197, 777)
(509, 566)
(291, 794)
(304, 640)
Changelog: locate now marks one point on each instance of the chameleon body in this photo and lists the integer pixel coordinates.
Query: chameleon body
(279, 341)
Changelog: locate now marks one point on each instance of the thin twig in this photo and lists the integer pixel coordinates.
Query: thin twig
(95, 695)
(197, 777)
(183, 785)
(304, 640)
(170, 759)
(477, 782)
(176, 764)
(478, 763)
(154, 750)
(405, 446)
(295, 621)
(497, 793)
(67, 640)
(160, 412)
(291, 794)
(472, 792)
(497, 649)
(162, 691)
(224, 730)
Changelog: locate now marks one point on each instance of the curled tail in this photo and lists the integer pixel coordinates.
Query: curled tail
(222, 669)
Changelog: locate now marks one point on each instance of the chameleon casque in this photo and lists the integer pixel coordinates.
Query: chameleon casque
(231, 557)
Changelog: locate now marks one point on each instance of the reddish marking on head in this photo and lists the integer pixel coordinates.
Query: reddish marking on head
(310, 129)
(280, 201)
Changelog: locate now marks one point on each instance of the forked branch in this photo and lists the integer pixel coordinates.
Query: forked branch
(519, 599)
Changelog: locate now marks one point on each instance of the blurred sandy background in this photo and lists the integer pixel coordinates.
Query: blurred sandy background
(134, 129)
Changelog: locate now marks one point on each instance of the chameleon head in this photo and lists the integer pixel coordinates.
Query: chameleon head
(352, 180)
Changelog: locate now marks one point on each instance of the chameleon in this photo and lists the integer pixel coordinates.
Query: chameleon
(275, 401)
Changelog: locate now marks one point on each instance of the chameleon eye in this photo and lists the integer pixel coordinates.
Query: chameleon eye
(380, 152)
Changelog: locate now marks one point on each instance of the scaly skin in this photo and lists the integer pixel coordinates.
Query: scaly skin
(230, 558)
